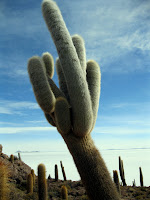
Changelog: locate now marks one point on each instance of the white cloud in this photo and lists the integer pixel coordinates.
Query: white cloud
(14, 130)
(16, 107)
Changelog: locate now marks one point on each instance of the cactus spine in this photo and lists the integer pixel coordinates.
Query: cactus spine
(42, 183)
(30, 184)
(56, 173)
(72, 107)
(121, 170)
(63, 171)
(116, 180)
(64, 192)
(141, 177)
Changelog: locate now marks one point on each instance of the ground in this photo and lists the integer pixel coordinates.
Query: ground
(17, 185)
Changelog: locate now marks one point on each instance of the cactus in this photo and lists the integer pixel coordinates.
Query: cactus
(19, 156)
(30, 184)
(56, 173)
(12, 158)
(42, 183)
(121, 170)
(116, 180)
(72, 107)
(1, 148)
(4, 187)
(141, 177)
(133, 183)
(64, 192)
(63, 171)
(33, 175)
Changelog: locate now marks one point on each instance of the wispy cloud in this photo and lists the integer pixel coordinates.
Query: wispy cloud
(14, 130)
(16, 107)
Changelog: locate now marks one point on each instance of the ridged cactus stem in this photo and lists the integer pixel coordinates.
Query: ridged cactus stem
(116, 180)
(56, 173)
(92, 169)
(33, 175)
(19, 156)
(12, 158)
(141, 177)
(64, 192)
(63, 171)
(121, 170)
(30, 184)
(42, 183)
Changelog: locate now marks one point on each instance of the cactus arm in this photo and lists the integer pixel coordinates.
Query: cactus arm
(62, 115)
(92, 169)
(50, 119)
(42, 90)
(49, 63)
(94, 83)
(76, 81)
(61, 78)
(80, 49)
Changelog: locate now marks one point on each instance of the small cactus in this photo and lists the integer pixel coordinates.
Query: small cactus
(56, 173)
(1, 148)
(42, 184)
(141, 177)
(64, 192)
(33, 175)
(30, 184)
(19, 156)
(12, 158)
(116, 180)
(63, 171)
(133, 183)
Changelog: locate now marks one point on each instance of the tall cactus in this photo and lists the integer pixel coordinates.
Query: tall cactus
(1, 148)
(63, 171)
(121, 170)
(56, 173)
(116, 180)
(42, 183)
(141, 177)
(64, 192)
(73, 107)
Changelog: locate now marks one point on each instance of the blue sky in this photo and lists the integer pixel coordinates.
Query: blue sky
(117, 36)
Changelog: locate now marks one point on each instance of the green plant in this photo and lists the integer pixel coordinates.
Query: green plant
(64, 192)
(141, 177)
(1, 148)
(56, 173)
(12, 158)
(63, 171)
(121, 170)
(73, 107)
(33, 175)
(4, 187)
(30, 184)
(42, 183)
(116, 180)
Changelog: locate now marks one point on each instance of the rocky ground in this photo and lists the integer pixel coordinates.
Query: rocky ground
(18, 172)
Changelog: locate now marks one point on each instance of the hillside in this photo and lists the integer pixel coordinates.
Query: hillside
(17, 184)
